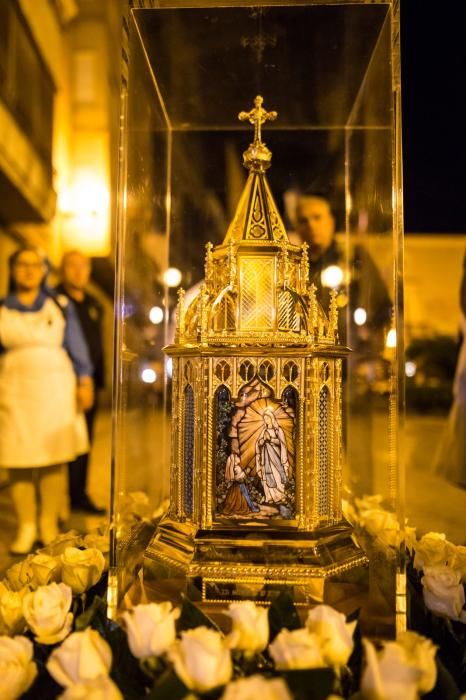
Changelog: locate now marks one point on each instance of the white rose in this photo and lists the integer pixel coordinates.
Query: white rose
(256, 687)
(82, 657)
(349, 512)
(82, 568)
(17, 669)
(377, 520)
(11, 612)
(100, 542)
(201, 659)
(431, 549)
(21, 575)
(72, 538)
(47, 612)
(294, 650)
(101, 688)
(420, 653)
(410, 538)
(390, 537)
(250, 627)
(457, 560)
(368, 502)
(45, 569)
(150, 629)
(335, 634)
(387, 676)
(443, 592)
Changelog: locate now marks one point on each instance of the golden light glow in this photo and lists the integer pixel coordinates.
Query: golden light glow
(360, 316)
(148, 375)
(410, 368)
(332, 276)
(391, 338)
(172, 277)
(84, 206)
(156, 315)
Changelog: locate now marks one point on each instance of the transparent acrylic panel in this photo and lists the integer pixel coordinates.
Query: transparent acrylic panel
(327, 70)
(434, 370)
(140, 450)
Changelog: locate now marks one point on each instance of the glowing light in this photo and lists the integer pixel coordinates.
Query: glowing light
(391, 338)
(169, 367)
(332, 276)
(360, 316)
(156, 315)
(148, 375)
(84, 204)
(410, 368)
(172, 277)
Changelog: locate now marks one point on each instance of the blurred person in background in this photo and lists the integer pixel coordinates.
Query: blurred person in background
(75, 274)
(365, 289)
(364, 318)
(450, 460)
(45, 385)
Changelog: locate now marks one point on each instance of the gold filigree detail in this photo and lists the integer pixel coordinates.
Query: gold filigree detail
(333, 315)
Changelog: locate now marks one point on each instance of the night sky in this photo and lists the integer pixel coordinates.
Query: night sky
(433, 54)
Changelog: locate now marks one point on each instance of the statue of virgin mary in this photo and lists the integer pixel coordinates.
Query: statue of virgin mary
(272, 458)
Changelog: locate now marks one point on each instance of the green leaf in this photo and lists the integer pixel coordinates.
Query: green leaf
(353, 615)
(168, 687)
(192, 617)
(126, 671)
(311, 684)
(98, 608)
(283, 614)
(445, 686)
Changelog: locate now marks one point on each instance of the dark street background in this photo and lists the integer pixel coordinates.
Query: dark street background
(433, 65)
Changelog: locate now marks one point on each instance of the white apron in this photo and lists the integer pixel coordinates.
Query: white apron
(39, 422)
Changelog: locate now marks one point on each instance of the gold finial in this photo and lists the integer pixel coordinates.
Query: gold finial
(204, 312)
(231, 265)
(333, 314)
(313, 306)
(304, 266)
(180, 316)
(208, 269)
(257, 157)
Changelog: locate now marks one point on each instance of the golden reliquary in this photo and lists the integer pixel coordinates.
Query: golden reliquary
(256, 462)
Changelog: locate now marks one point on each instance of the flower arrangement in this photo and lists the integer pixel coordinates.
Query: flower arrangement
(57, 641)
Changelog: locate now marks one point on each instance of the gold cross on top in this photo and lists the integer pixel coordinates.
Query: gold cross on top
(257, 116)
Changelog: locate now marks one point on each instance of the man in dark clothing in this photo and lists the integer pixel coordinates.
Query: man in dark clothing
(76, 269)
(355, 277)
(364, 318)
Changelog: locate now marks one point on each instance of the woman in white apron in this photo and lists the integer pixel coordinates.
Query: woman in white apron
(45, 384)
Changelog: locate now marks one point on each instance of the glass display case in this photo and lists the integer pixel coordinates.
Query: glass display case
(258, 391)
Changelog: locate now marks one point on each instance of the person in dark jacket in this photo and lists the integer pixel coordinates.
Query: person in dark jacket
(75, 273)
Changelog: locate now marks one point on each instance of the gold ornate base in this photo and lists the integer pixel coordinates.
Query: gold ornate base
(224, 565)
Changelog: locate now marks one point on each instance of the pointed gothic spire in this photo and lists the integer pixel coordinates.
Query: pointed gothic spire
(257, 217)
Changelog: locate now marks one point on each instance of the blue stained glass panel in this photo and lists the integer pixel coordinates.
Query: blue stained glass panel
(188, 450)
(324, 447)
